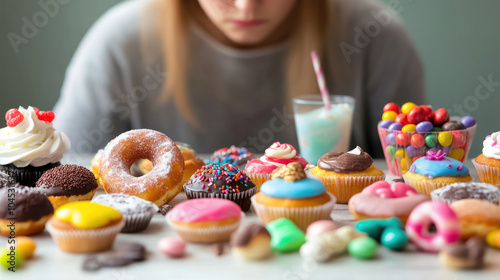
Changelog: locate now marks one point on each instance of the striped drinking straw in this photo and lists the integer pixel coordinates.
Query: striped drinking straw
(321, 80)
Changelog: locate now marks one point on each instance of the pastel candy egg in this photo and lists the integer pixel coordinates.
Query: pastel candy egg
(391, 139)
(468, 121)
(172, 247)
(285, 235)
(423, 127)
(319, 227)
(389, 115)
(417, 140)
(391, 150)
(362, 248)
(385, 124)
(457, 154)
(25, 246)
(395, 127)
(394, 238)
(445, 139)
(10, 259)
(431, 140)
(407, 107)
(408, 128)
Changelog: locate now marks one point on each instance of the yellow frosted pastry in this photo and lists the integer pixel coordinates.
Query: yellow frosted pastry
(87, 215)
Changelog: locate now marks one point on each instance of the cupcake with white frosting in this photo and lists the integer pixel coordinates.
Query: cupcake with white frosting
(488, 163)
(29, 145)
(259, 170)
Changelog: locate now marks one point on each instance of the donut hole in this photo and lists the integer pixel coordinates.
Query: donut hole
(141, 167)
(430, 230)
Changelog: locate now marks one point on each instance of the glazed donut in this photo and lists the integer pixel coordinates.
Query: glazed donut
(442, 216)
(384, 200)
(158, 186)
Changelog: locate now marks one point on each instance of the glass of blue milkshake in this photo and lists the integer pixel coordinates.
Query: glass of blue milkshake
(319, 130)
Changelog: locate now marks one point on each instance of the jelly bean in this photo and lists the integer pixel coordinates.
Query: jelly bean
(403, 139)
(423, 127)
(431, 140)
(285, 235)
(25, 246)
(417, 140)
(468, 121)
(459, 139)
(10, 259)
(395, 127)
(391, 150)
(405, 164)
(391, 139)
(362, 248)
(372, 227)
(401, 153)
(408, 128)
(389, 115)
(457, 154)
(407, 107)
(413, 152)
(394, 238)
(416, 115)
(444, 139)
(402, 119)
(391, 222)
(391, 106)
(172, 247)
(385, 124)
(440, 116)
(319, 227)
(493, 238)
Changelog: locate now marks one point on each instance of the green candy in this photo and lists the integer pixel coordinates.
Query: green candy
(375, 227)
(437, 129)
(10, 260)
(431, 140)
(394, 238)
(285, 235)
(362, 248)
(391, 150)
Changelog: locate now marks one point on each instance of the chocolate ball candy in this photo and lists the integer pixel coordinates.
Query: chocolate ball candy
(468, 121)
(385, 124)
(362, 247)
(449, 126)
(423, 127)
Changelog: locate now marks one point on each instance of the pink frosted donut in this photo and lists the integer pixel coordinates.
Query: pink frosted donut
(386, 190)
(439, 214)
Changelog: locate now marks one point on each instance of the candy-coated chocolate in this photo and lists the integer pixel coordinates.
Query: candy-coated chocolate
(394, 238)
(285, 235)
(459, 139)
(445, 139)
(437, 165)
(428, 112)
(439, 214)
(416, 115)
(391, 106)
(172, 247)
(401, 153)
(385, 124)
(407, 107)
(391, 138)
(408, 128)
(279, 188)
(493, 238)
(431, 140)
(424, 127)
(389, 115)
(320, 227)
(457, 154)
(450, 126)
(362, 248)
(417, 140)
(10, 260)
(395, 127)
(402, 139)
(468, 121)
(87, 215)
(391, 150)
(402, 119)
(440, 116)
(25, 246)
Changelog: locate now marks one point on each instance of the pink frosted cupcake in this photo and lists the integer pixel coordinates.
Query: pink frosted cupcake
(259, 170)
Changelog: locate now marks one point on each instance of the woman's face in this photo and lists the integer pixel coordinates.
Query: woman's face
(247, 22)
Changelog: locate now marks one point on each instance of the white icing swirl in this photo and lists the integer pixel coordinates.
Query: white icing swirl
(491, 146)
(283, 151)
(32, 142)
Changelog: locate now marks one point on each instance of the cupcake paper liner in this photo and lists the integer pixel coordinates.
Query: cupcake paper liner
(259, 178)
(206, 234)
(301, 216)
(136, 222)
(85, 241)
(424, 187)
(241, 198)
(27, 176)
(488, 174)
(343, 188)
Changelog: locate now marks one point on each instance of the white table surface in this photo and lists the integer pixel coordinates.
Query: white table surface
(201, 262)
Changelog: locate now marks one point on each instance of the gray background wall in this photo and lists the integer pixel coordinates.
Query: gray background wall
(458, 40)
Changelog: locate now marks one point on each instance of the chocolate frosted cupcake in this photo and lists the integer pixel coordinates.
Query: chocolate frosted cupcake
(346, 174)
(221, 181)
(458, 191)
(29, 145)
(237, 156)
(136, 211)
(32, 210)
(67, 183)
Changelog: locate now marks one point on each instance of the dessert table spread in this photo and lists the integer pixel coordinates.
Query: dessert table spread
(201, 261)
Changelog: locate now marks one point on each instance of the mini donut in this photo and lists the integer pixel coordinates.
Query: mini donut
(439, 214)
(158, 186)
(251, 242)
(477, 217)
(384, 200)
(468, 255)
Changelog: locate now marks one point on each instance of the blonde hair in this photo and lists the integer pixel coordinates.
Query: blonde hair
(308, 34)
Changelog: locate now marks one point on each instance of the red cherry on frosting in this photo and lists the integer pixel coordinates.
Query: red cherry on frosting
(36, 110)
(13, 117)
(46, 116)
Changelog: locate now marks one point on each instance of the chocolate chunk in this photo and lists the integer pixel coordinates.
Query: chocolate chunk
(398, 180)
(449, 126)
(165, 209)
(115, 260)
(134, 251)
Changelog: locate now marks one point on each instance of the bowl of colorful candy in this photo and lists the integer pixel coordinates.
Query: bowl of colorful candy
(407, 133)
